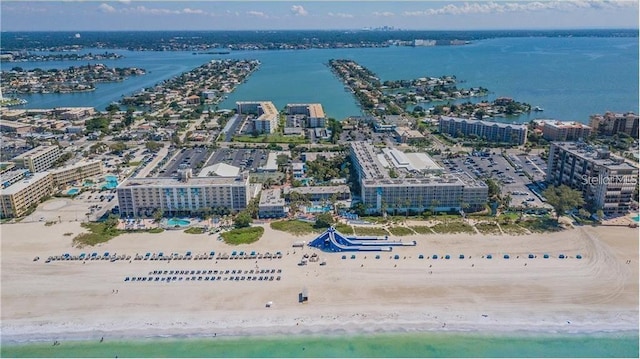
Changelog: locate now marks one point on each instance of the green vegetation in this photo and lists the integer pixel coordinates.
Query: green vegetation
(422, 229)
(563, 198)
(488, 228)
(453, 227)
(68, 234)
(243, 235)
(49, 223)
(512, 228)
(294, 227)
(541, 224)
(242, 220)
(155, 230)
(370, 231)
(323, 169)
(273, 138)
(323, 221)
(99, 232)
(344, 228)
(194, 230)
(401, 231)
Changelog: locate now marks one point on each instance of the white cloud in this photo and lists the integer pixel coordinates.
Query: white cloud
(298, 10)
(106, 8)
(503, 7)
(257, 14)
(383, 13)
(193, 11)
(125, 1)
(341, 15)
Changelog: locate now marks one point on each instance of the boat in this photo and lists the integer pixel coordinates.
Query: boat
(538, 109)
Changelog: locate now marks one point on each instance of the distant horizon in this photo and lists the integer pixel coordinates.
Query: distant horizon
(349, 29)
(456, 15)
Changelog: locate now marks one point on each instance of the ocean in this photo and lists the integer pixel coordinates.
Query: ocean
(570, 77)
(461, 345)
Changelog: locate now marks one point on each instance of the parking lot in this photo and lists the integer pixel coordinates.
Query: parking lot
(186, 158)
(511, 180)
(245, 159)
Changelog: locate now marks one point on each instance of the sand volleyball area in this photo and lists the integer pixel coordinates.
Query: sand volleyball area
(88, 299)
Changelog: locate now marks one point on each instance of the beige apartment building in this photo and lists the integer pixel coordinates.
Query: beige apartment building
(76, 172)
(38, 159)
(266, 112)
(16, 199)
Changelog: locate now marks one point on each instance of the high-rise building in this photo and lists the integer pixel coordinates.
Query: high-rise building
(606, 181)
(391, 180)
(17, 198)
(489, 131)
(564, 131)
(184, 196)
(611, 123)
(38, 159)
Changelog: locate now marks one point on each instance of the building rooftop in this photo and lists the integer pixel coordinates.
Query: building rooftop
(220, 169)
(318, 189)
(20, 186)
(14, 124)
(271, 197)
(562, 124)
(313, 109)
(72, 166)
(34, 152)
(595, 155)
(175, 182)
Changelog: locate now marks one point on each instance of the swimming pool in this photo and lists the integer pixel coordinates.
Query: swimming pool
(112, 182)
(178, 222)
(318, 209)
(73, 191)
(636, 218)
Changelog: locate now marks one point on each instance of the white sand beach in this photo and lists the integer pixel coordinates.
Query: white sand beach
(75, 300)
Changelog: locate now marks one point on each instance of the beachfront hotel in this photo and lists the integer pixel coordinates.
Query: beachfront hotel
(183, 196)
(391, 180)
(312, 111)
(17, 198)
(606, 181)
(489, 131)
(38, 159)
(266, 112)
(76, 172)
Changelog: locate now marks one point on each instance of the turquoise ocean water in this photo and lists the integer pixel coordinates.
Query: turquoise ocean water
(375, 345)
(571, 78)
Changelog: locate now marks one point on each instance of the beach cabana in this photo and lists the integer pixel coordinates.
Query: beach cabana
(377, 256)
(546, 256)
(447, 257)
(579, 256)
(561, 256)
(303, 296)
(506, 256)
(344, 257)
(435, 256)
(353, 256)
(396, 257)
(531, 256)
(420, 256)
(461, 256)
(489, 256)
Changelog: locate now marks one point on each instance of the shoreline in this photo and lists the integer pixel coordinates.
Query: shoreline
(73, 301)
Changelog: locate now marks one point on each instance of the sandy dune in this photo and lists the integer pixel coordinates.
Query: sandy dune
(69, 299)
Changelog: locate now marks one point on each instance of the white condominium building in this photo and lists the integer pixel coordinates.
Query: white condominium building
(38, 159)
(19, 197)
(184, 196)
(266, 112)
(391, 180)
(606, 181)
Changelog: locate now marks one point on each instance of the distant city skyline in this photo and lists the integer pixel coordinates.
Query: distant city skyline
(73, 15)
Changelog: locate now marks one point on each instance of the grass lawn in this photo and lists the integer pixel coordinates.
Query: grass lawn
(344, 228)
(243, 235)
(453, 227)
(370, 231)
(295, 227)
(401, 231)
(422, 229)
(488, 228)
(194, 230)
(98, 233)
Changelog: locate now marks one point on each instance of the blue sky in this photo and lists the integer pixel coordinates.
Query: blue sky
(70, 15)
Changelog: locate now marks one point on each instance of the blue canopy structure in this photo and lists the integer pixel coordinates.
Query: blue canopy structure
(333, 241)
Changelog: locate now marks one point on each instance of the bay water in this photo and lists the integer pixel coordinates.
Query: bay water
(570, 77)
